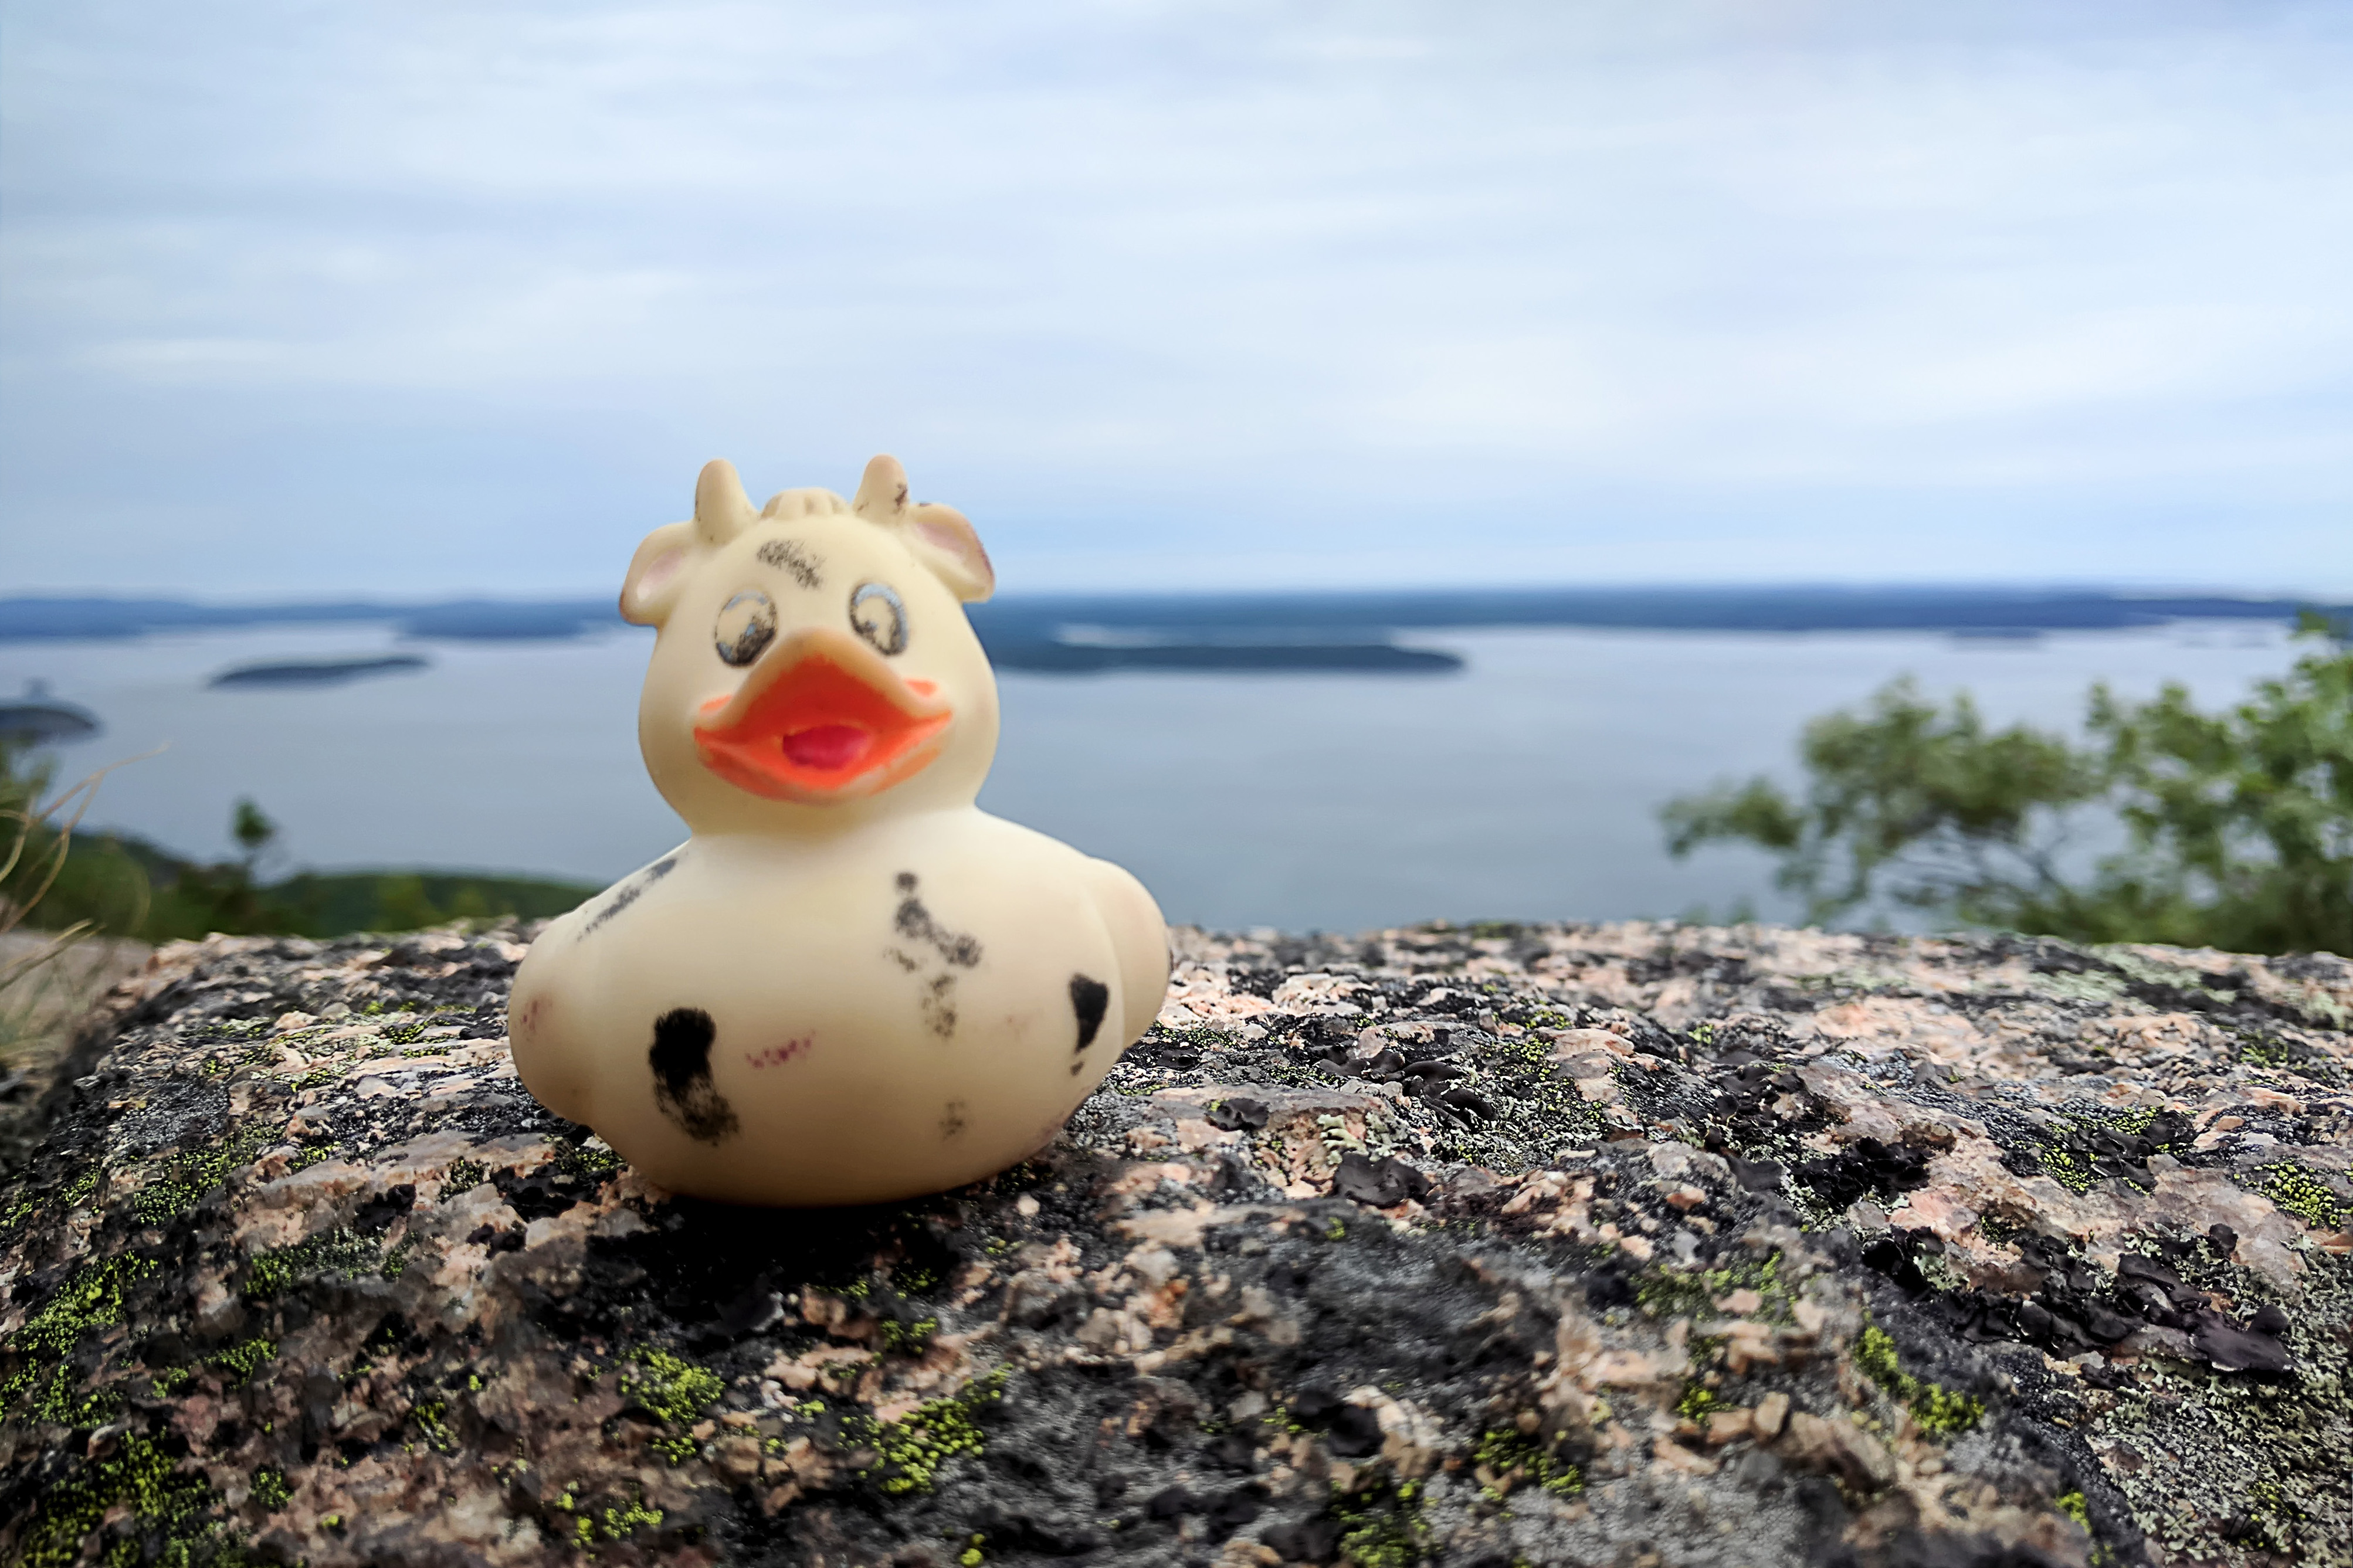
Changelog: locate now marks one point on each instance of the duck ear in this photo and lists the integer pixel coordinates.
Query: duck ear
(939, 536)
(656, 573)
(883, 493)
(721, 510)
(945, 542)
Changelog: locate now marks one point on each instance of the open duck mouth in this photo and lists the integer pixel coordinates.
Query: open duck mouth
(821, 718)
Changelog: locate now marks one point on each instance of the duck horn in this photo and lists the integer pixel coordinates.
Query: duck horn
(721, 510)
(883, 493)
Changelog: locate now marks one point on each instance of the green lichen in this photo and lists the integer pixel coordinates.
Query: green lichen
(432, 1416)
(614, 1522)
(2262, 1049)
(1198, 1037)
(1512, 1455)
(461, 1177)
(270, 1490)
(91, 1300)
(1698, 1402)
(2298, 1191)
(2064, 1168)
(2257, 1048)
(2151, 972)
(2085, 987)
(909, 1452)
(674, 1390)
(224, 1029)
(141, 1478)
(1383, 1526)
(909, 1338)
(52, 1395)
(242, 1361)
(1939, 1411)
(1337, 1141)
(78, 1187)
(2072, 1505)
(1666, 1292)
(591, 1162)
(339, 1253)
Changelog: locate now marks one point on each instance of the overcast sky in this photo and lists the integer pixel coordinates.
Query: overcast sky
(357, 296)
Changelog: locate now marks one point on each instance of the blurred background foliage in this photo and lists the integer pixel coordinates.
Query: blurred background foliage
(2164, 824)
(118, 885)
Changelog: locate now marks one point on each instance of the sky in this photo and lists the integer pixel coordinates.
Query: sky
(350, 297)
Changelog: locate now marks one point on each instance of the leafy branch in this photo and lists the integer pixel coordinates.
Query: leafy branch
(2237, 826)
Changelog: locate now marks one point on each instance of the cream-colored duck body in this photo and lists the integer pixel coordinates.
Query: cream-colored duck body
(851, 984)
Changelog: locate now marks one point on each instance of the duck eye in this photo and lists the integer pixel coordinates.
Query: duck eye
(877, 616)
(746, 627)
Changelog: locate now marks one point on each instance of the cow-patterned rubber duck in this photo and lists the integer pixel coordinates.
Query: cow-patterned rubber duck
(851, 983)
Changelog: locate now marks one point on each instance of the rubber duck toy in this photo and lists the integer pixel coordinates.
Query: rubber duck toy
(851, 983)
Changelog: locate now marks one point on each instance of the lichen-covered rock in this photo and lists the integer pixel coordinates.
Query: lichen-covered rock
(1633, 1243)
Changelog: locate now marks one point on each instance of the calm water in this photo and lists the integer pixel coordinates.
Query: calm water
(1526, 788)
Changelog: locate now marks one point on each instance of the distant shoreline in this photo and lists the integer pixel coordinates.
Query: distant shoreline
(1337, 632)
(1792, 607)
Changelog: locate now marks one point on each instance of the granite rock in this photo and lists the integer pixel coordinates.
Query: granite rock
(1633, 1243)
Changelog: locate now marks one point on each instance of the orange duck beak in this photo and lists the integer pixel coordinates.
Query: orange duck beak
(822, 717)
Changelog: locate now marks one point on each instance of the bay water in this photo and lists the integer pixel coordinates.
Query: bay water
(1526, 786)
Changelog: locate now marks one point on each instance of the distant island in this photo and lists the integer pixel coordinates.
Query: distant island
(1354, 631)
(318, 672)
(40, 719)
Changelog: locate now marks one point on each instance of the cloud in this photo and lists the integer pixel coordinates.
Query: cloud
(439, 296)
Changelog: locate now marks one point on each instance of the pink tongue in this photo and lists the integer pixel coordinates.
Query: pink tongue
(826, 746)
